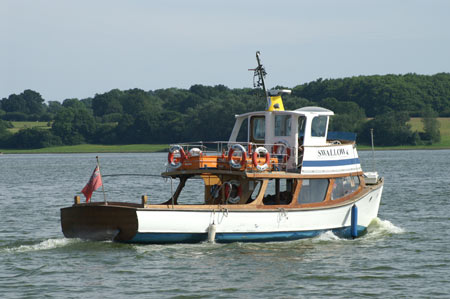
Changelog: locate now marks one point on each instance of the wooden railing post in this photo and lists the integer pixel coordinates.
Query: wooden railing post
(144, 199)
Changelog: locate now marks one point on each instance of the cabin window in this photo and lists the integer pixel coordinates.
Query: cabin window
(258, 125)
(313, 190)
(301, 129)
(243, 132)
(282, 125)
(189, 194)
(319, 126)
(254, 188)
(344, 186)
(279, 192)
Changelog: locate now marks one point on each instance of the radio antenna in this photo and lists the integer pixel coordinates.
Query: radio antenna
(259, 74)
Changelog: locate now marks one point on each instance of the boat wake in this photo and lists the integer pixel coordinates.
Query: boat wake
(380, 227)
(377, 228)
(44, 245)
(327, 236)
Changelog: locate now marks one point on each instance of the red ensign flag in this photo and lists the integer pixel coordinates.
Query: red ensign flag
(94, 183)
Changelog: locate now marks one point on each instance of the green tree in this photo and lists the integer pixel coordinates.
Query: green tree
(73, 103)
(4, 133)
(33, 138)
(107, 103)
(431, 126)
(390, 129)
(54, 107)
(74, 125)
(28, 102)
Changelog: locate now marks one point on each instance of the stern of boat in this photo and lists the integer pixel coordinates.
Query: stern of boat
(99, 221)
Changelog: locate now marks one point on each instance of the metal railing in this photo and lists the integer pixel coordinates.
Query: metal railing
(222, 149)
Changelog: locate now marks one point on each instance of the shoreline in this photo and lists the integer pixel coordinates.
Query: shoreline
(160, 148)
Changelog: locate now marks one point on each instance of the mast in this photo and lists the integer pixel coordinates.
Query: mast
(260, 73)
(273, 97)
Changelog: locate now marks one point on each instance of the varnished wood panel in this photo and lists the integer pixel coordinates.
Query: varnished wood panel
(99, 222)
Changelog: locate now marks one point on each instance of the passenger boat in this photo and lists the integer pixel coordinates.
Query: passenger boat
(281, 176)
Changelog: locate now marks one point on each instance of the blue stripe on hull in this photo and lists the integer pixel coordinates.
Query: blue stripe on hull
(331, 163)
(170, 238)
(266, 237)
(346, 232)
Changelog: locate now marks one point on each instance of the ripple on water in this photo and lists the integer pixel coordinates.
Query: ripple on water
(403, 254)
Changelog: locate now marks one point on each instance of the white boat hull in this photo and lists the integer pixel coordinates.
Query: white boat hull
(173, 226)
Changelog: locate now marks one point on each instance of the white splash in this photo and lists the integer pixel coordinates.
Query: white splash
(327, 236)
(384, 226)
(44, 245)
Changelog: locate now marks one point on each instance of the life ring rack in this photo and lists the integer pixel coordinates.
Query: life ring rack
(229, 186)
(243, 160)
(256, 153)
(171, 157)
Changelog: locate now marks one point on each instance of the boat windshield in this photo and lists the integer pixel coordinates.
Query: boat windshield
(282, 125)
(319, 126)
(258, 128)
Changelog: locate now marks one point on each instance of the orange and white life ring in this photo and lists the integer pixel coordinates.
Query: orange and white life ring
(282, 148)
(233, 191)
(243, 160)
(195, 152)
(176, 149)
(256, 153)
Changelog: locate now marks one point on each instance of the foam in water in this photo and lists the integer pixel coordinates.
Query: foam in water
(327, 236)
(376, 228)
(383, 227)
(44, 245)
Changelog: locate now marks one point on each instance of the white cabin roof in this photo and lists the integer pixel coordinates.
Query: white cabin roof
(301, 111)
(316, 110)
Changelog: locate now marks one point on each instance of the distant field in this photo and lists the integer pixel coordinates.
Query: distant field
(93, 148)
(18, 125)
(417, 125)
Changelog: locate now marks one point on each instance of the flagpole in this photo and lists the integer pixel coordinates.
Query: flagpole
(103, 189)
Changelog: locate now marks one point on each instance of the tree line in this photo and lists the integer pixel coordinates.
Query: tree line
(207, 112)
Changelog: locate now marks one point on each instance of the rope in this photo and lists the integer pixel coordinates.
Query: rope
(131, 174)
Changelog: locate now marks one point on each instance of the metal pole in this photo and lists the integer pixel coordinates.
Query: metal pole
(373, 150)
(260, 69)
(171, 189)
(103, 188)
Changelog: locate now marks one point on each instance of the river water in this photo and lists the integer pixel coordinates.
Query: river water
(404, 254)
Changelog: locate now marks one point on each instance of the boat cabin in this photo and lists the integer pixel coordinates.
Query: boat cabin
(273, 157)
(286, 130)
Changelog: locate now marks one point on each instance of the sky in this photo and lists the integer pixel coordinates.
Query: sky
(76, 49)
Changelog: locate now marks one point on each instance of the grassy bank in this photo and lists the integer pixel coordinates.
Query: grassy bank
(19, 125)
(93, 148)
(151, 148)
(416, 125)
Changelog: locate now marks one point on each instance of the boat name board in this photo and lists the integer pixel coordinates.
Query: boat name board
(332, 152)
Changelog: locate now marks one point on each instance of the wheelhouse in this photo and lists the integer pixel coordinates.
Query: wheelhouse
(307, 126)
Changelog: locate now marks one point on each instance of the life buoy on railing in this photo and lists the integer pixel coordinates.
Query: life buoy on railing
(243, 160)
(282, 148)
(172, 150)
(233, 191)
(256, 153)
(195, 152)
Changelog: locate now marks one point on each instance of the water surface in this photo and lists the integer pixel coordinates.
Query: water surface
(404, 254)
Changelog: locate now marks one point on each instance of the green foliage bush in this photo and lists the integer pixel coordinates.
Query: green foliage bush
(207, 112)
(32, 138)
